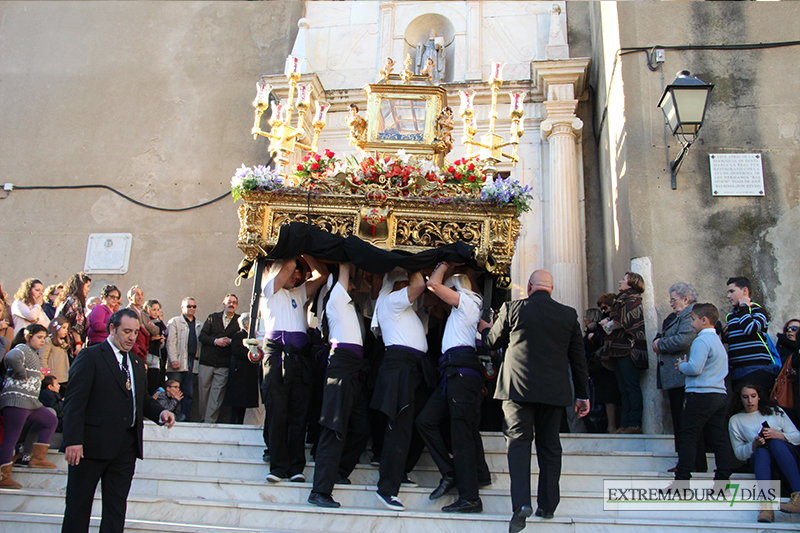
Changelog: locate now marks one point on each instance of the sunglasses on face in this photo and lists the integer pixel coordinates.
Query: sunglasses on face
(792, 328)
(191, 307)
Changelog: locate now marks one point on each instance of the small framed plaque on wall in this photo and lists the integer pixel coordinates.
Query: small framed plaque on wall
(736, 175)
(108, 253)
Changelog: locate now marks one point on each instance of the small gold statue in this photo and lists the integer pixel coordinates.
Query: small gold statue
(357, 125)
(428, 70)
(387, 70)
(444, 128)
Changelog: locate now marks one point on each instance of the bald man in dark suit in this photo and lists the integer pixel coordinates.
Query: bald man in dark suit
(542, 341)
(103, 418)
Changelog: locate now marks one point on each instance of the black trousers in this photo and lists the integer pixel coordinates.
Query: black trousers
(116, 475)
(287, 408)
(402, 445)
(520, 418)
(704, 414)
(460, 403)
(337, 455)
(676, 409)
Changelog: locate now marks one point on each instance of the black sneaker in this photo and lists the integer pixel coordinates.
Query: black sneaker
(391, 502)
(408, 482)
(323, 500)
(265, 457)
(375, 460)
(342, 481)
(23, 460)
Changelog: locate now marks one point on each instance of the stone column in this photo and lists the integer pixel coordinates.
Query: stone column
(565, 252)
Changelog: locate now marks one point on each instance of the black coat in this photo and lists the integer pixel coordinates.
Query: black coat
(214, 328)
(542, 341)
(97, 408)
(242, 388)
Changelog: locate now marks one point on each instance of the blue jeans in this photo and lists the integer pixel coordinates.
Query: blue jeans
(186, 379)
(783, 456)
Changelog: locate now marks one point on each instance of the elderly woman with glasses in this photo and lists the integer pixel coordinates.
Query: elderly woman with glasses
(674, 342)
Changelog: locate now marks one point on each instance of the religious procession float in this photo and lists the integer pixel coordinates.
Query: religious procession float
(397, 192)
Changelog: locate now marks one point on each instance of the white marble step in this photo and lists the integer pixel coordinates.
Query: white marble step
(279, 516)
(364, 474)
(492, 441)
(171, 487)
(583, 461)
(51, 523)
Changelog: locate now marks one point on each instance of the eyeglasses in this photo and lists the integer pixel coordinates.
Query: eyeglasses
(110, 297)
(792, 328)
(604, 307)
(191, 307)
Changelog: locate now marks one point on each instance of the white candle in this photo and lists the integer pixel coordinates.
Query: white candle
(293, 65)
(321, 111)
(262, 93)
(303, 95)
(497, 71)
(517, 100)
(467, 99)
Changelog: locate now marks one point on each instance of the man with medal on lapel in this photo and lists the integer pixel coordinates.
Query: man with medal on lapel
(103, 418)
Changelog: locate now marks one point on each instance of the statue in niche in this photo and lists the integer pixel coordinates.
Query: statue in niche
(432, 49)
(357, 125)
(557, 37)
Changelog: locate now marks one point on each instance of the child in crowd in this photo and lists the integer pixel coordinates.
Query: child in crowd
(170, 398)
(705, 401)
(50, 397)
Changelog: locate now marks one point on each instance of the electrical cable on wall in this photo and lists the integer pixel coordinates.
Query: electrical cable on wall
(11, 187)
(108, 188)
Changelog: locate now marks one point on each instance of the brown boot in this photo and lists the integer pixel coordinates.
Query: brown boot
(766, 514)
(38, 456)
(793, 505)
(5, 478)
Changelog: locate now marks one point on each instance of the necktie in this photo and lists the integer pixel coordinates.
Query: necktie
(128, 385)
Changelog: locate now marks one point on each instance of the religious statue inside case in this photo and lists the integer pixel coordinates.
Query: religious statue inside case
(398, 191)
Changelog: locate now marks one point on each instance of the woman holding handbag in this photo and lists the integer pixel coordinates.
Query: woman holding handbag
(789, 346)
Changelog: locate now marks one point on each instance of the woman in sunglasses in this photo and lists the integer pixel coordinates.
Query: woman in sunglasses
(787, 345)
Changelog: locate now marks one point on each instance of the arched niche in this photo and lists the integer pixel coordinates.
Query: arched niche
(418, 31)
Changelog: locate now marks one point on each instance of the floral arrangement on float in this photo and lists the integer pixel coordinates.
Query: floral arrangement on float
(403, 175)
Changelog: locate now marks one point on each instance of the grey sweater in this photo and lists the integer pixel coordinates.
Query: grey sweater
(23, 378)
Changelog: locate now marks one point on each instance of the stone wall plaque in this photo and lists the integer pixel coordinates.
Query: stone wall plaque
(108, 253)
(736, 175)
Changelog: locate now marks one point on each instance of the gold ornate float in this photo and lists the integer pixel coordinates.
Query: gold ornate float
(410, 200)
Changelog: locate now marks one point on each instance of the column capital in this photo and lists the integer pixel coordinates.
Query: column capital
(570, 125)
(573, 72)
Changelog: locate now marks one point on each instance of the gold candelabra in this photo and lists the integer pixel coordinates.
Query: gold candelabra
(492, 144)
(285, 138)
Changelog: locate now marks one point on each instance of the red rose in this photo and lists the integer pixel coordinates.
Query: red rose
(452, 170)
(299, 167)
(317, 157)
(471, 166)
(472, 178)
(306, 158)
(314, 166)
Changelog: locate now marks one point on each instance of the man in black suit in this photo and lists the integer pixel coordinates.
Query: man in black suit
(103, 418)
(215, 357)
(542, 341)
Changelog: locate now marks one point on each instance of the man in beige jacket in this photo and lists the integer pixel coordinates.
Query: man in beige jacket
(183, 348)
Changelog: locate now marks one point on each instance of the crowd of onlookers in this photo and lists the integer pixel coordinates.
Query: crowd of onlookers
(719, 378)
(729, 387)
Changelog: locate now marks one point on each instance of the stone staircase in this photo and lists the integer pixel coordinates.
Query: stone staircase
(210, 478)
